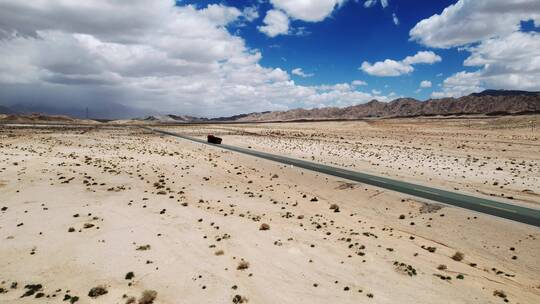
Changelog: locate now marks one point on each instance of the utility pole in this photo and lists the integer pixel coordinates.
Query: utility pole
(86, 112)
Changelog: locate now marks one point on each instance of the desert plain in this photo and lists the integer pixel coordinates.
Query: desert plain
(112, 213)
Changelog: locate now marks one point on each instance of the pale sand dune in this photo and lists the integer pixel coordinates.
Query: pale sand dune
(188, 201)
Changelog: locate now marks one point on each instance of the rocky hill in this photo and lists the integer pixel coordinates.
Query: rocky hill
(490, 102)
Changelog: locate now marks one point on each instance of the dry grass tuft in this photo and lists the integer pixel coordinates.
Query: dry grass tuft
(243, 265)
(98, 291)
(442, 267)
(239, 299)
(144, 247)
(458, 256)
(500, 294)
(334, 207)
(264, 226)
(148, 297)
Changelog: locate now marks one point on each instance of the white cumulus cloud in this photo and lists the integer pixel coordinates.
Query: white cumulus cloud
(460, 84)
(221, 14)
(371, 3)
(275, 23)
(358, 83)
(391, 67)
(145, 54)
(307, 10)
(301, 73)
(425, 84)
(277, 20)
(506, 56)
(395, 19)
(512, 62)
(250, 13)
(470, 21)
(387, 67)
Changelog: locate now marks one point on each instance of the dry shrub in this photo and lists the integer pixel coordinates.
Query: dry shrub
(148, 297)
(441, 267)
(243, 265)
(97, 291)
(458, 256)
(239, 299)
(500, 294)
(143, 247)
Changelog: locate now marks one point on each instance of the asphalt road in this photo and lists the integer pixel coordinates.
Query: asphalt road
(496, 208)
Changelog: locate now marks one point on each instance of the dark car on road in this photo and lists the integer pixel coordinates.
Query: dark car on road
(214, 140)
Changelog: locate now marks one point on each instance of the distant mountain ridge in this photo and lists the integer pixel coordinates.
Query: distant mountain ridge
(187, 118)
(504, 93)
(489, 102)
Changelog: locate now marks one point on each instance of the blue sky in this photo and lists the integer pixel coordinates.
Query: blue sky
(214, 58)
(334, 48)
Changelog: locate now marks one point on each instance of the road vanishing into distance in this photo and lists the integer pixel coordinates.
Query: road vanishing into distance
(491, 207)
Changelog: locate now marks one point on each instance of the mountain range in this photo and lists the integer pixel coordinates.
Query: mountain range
(489, 102)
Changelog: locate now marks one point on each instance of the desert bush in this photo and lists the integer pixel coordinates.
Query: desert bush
(458, 256)
(97, 291)
(148, 297)
(243, 265)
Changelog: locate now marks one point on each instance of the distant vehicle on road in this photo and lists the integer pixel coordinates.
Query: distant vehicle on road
(214, 140)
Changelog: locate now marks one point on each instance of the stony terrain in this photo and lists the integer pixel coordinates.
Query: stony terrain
(103, 214)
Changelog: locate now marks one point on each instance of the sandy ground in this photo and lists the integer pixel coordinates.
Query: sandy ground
(136, 213)
(497, 157)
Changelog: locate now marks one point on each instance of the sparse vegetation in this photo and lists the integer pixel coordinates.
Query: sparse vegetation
(442, 267)
(98, 291)
(243, 265)
(148, 297)
(237, 299)
(458, 256)
(405, 268)
(233, 211)
(500, 294)
(429, 248)
(32, 289)
(143, 247)
(334, 207)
